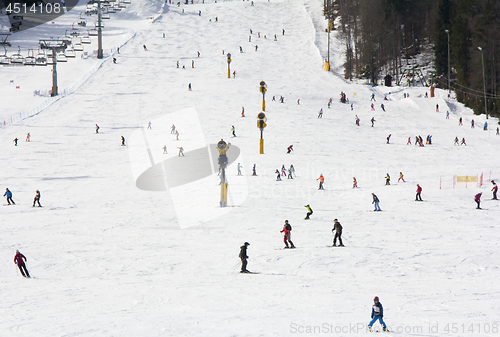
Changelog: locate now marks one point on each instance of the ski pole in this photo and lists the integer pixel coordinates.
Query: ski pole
(236, 265)
(349, 242)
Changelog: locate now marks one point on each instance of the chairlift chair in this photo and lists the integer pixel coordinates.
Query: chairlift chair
(127, 2)
(78, 46)
(111, 10)
(70, 53)
(17, 59)
(4, 59)
(86, 39)
(41, 59)
(97, 25)
(117, 8)
(61, 57)
(105, 16)
(30, 60)
(93, 32)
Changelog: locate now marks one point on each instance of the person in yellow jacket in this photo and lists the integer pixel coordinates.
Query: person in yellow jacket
(309, 212)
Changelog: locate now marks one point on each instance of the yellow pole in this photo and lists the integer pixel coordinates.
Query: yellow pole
(263, 105)
(262, 146)
(228, 71)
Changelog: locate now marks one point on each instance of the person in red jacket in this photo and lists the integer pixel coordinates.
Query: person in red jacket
(494, 189)
(19, 259)
(321, 181)
(287, 231)
(477, 199)
(419, 190)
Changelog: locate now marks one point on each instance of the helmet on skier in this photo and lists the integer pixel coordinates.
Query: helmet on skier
(246, 244)
(376, 298)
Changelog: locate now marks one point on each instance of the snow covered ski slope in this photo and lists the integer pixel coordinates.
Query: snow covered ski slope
(113, 257)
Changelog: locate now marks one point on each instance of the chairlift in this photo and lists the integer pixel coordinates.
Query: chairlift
(105, 4)
(122, 5)
(111, 10)
(4, 59)
(86, 39)
(30, 60)
(105, 16)
(117, 8)
(51, 61)
(97, 25)
(17, 59)
(83, 21)
(70, 53)
(78, 46)
(93, 32)
(61, 57)
(127, 2)
(41, 59)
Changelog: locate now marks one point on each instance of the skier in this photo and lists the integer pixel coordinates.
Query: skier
(242, 111)
(241, 50)
(376, 202)
(388, 138)
(172, 129)
(15, 141)
(372, 120)
(28, 137)
(309, 212)
(189, 86)
(282, 99)
(472, 124)
(177, 64)
(97, 128)
(382, 106)
(283, 170)
(352, 106)
(114, 60)
(287, 231)
(192, 63)
(256, 47)
(149, 125)
(282, 31)
(409, 141)
(485, 126)
(373, 98)
(123, 141)
(289, 149)
(463, 142)
(254, 170)
(19, 259)
(477, 199)
(37, 199)
(8, 195)
(320, 115)
(460, 121)
(387, 179)
(377, 314)
(447, 115)
(292, 170)
(278, 178)
(176, 134)
(233, 130)
(198, 53)
(234, 74)
(243, 256)
(498, 131)
(337, 228)
(239, 169)
(401, 177)
(357, 120)
(165, 149)
(181, 151)
(354, 182)
(290, 173)
(437, 107)
(373, 107)
(145, 48)
(495, 190)
(418, 197)
(456, 141)
(321, 181)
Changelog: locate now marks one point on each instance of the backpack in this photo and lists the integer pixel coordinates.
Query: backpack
(288, 227)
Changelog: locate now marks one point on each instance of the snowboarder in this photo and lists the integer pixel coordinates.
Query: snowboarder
(494, 189)
(388, 138)
(165, 149)
(372, 120)
(337, 228)
(28, 137)
(321, 181)
(15, 141)
(181, 151)
(477, 199)
(8, 195)
(418, 197)
(149, 125)
(37, 199)
(172, 129)
(278, 178)
(233, 130)
(382, 106)
(376, 202)
(387, 179)
(239, 169)
(97, 128)
(354, 182)
(320, 115)
(287, 231)
(123, 141)
(377, 314)
(401, 177)
(20, 259)
(289, 149)
(254, 170)
(309, 212)
(243, 256)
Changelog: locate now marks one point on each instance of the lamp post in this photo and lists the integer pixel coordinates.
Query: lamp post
(228, 65)
(222, 146)
(484, 83)
(263, 89)
(448, 33)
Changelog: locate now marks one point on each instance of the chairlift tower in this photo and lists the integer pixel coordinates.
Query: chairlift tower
(55, 46)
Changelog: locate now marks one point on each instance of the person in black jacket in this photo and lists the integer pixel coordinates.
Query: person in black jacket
(375, 202)
(337, 228)
(244, 257)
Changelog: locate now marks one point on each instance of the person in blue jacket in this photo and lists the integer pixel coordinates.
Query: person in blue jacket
(8, 194)
(377, 314)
